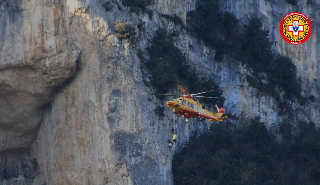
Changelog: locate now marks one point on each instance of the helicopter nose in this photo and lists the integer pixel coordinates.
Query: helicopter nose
(170, 103)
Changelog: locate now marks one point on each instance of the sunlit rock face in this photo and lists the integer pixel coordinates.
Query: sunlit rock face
(36, 59)
(75, 93)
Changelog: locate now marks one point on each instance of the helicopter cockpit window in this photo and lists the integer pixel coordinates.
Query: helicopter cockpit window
(183, 102)
(179, 100)
(190, 105)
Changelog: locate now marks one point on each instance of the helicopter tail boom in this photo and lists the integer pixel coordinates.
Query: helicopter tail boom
(218, 119)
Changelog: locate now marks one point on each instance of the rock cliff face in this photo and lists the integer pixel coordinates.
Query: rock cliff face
(305, 56)
(74, 107)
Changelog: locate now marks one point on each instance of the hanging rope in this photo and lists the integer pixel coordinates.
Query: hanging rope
(174, 123)
(174, 136)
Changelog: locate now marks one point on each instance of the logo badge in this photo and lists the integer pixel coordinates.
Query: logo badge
(295, 28)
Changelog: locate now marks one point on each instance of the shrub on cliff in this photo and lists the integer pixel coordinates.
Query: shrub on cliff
(215, 28)
(159, 111)
(169, 67)
(283, 75)
(249, 154)
(167, 64)
(125, 31)
(271, 73)
(175, 19)
(11, 6)
(137, 5)
(279, 71)
(293, 2)
(107, 5)
(256, 47)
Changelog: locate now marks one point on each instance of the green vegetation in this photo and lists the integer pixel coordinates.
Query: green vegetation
(141, 27)
(249, 155)
(125, 31)
(311, 2)
(312, 98)
(107, 5)
(167, 64)
(175, 19)
(159, 111)
(150, 14)
(168, 67)
(271, 73)
(140, 55)
(293, 2)
(11, 6)
(137, 5)
(216, 29)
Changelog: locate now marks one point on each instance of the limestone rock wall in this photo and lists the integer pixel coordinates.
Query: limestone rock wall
(36, 59)
(75, 93)
(101, 128)
(305, 56)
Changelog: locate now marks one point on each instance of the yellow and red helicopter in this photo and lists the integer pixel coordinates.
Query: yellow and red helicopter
(188, 107)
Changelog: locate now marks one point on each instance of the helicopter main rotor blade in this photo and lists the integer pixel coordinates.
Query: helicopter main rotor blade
(182, 90)
(205, 92)
(207, 97)
(166, 94)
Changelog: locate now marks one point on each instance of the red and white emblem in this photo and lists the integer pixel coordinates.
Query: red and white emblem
(295, 28)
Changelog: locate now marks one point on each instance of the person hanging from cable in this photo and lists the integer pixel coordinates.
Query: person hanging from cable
(174, 140)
